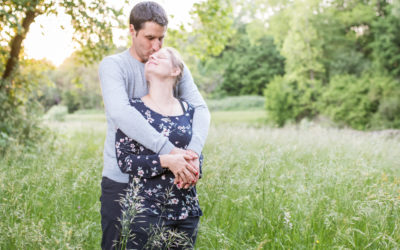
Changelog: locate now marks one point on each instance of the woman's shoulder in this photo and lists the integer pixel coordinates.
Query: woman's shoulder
(187, 106)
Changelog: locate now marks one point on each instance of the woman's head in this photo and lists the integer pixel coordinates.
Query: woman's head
(165, 63)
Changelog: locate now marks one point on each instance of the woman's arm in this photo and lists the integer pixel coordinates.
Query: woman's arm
(131, 161)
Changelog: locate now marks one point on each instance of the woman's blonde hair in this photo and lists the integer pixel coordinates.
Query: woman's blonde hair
(176, 61)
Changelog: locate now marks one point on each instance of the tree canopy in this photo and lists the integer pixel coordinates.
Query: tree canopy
(92, 22)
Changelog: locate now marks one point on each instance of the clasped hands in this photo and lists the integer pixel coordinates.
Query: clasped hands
(184, 164)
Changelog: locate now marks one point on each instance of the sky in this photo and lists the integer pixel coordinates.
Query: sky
(47, 40)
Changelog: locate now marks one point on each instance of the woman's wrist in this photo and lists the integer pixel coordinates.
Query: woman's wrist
(164, 160)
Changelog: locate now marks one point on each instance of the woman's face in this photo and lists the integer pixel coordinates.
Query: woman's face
(160, 64)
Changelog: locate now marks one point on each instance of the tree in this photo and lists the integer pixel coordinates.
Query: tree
(201, 48)
(92, 22)
(212, 28)
(386, 43)
(302, 46)
(250, 67)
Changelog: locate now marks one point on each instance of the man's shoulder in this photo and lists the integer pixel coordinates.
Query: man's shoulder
(116, 59)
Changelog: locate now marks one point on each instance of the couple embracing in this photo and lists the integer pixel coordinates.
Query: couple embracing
(157, 125)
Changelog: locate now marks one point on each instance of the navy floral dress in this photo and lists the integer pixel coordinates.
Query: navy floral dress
(161, 197)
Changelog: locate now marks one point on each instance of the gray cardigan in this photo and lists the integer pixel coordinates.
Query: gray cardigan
(122, 78)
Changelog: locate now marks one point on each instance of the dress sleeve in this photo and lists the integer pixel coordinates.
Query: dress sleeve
(131, 161)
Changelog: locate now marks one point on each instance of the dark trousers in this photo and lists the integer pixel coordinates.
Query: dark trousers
(145, 228)
(111, 192)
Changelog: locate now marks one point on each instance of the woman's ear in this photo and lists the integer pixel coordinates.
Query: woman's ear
(175, 71)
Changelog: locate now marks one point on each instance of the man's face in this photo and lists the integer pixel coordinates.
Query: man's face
(147, 40)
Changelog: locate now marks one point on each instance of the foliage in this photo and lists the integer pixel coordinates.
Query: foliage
(78, 85)
(361, 102)
(92, 22)
(20, 112)
(388, 112)
(302, 46)
(212, 29)
(291, 99)
(347, 60)
(339, 41)
(19, 123)
(56, 113)
(250, 67)
(386, 43)
(49, 96)
(71, 100)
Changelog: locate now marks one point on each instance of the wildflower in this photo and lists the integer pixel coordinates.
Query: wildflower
(286, 219)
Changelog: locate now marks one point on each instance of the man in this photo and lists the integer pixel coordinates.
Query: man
(122, 78)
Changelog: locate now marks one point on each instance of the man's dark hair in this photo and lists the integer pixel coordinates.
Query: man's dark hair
(147, 12)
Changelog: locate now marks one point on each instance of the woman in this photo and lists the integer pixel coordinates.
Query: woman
(160, 178)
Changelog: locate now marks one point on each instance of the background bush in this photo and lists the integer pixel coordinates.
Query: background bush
(56, 113)
(362, 102)
(19, 124)
(289, 99)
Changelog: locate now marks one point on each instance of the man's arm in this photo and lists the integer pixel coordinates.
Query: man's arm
(124, 116)
(188, 91)
(131, 161)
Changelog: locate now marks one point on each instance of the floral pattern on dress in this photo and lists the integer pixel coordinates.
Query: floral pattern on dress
(161, 196)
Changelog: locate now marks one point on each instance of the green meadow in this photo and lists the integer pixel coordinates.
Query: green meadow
(297, 187)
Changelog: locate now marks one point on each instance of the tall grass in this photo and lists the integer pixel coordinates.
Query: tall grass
(50, 196)
(299, 188)
(262, 188)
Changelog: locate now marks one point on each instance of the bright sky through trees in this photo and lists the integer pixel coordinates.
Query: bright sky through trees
(47, 40)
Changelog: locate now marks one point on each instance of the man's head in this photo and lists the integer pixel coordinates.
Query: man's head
(148, 24)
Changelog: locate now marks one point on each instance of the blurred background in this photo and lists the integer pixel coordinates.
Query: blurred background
(303, 147)
(336, 60)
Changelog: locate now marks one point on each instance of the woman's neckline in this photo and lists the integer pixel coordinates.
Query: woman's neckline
(158, 113)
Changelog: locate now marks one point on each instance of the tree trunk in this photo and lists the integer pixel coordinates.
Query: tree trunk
(16, 44)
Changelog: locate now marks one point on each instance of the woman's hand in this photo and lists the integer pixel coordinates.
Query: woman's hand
(195, 163)
(179, 165)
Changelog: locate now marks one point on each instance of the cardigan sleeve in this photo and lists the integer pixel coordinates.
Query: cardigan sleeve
(123, 115)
